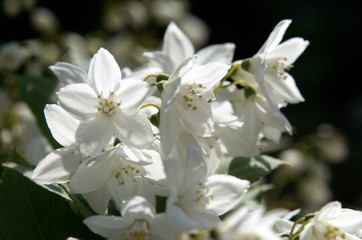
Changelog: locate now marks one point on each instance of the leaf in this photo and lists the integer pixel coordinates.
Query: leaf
(253, 168)
(29, 211)
(37, 92)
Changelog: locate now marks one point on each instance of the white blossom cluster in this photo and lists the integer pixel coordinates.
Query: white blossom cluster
(162, 130)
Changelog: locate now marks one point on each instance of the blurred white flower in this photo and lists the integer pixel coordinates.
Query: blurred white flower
(12, 56)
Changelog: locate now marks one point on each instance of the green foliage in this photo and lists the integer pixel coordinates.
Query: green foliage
(253, 168)
(30, 211)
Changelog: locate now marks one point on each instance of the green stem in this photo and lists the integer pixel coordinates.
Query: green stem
(231, 71)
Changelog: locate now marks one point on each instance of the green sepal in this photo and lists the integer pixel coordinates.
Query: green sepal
(155, 119)
(249, 91)
(159, 78)
(245, 65)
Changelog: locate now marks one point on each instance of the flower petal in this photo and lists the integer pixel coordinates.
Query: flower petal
(57, 167)
(93, 173)
(68, 73)
(138, 208)
(198, 118)
(134, 130)
(104, 72)
(98, 200)
(177, 218)
(169, 129)
(132, 93)
(227, 191)
(94, 134)
(216, 53)
(275, 36)
(79, 99)
(290, 49)
(61, 124)
(108, 226)
(176, 44)
(208, 75)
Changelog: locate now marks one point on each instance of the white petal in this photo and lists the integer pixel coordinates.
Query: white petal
(78, 99)
(134, 130)
(107, 226)
(160, 60)
(176, 44)
(138, 208)
(204, 218)
(290, 49)
(275, 36)
(104, 72)
(133, 155)
(94, 134)
(98, 200)
(208, 75)
(61, 124)
(68, 73)
(216, 53)
(329, 211)
(285, 89)
(93, 173)
(177, 218)
(57, 167)
(132, 93)
(169, 129)
(227, 191)
(198, 120)
(161, 230)
(349, 220)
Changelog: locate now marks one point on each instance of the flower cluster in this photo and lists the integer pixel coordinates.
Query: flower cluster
(133, 138)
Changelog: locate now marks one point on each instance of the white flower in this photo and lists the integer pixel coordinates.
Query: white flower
(250, 222)
(139, 221)
(278, 84)
(177, 47)
(121, 173)
(196, 200)
(12, 55)
(185, 100)
(333, 222)
(107, 106)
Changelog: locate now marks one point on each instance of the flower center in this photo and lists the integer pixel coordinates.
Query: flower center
(138, 230)
(280, 66)
(126, 173)
(192, 92)
(328, 232)
(203, 195)
(107, 105)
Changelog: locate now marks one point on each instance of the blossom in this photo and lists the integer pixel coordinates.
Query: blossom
(333, 222)
(107, 106)
(177, 47)
(185, 99)
(277, 83)
(250, 222)
(119, 173)
(196, 200)
(138, 221)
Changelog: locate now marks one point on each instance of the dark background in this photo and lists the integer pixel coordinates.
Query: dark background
(327, 74)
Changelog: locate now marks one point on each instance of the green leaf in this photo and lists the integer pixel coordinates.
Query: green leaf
(37, 92)
(29, 211)
(253, 168)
